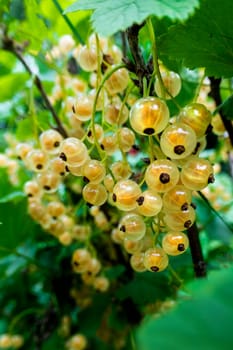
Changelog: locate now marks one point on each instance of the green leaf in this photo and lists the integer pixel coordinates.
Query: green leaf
(205, 40)
(110, 16)
(16, 225)
(11, 84)
(25, 130)
(204, 322)
(145, 288)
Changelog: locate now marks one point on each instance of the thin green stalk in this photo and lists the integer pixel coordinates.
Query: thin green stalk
(16, 319)
(105, 78)
(199, 88)
(69, 23)
(214, 211)
(155, 57)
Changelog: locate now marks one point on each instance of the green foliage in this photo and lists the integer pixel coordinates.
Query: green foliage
(111, 16)
(204, 322)
(204, 40)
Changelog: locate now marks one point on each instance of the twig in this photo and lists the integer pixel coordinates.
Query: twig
(16, 49)
(199, 264)
(215, 94)
(138, 66)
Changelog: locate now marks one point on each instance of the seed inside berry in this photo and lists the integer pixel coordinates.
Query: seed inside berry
(164, 178)
(149, 131)
(179, 149)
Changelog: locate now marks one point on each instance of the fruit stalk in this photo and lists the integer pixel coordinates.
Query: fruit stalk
(16, 49)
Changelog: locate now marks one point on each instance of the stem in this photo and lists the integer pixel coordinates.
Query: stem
(24, 313)
(69, 23)
(106, 76)
(199, 264)
(138, 67)
(215, 94)
(15, 49)
(214, 211)
(155, 57)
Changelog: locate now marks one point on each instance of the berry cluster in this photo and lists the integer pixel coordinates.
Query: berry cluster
(11, 341)
(108, 126)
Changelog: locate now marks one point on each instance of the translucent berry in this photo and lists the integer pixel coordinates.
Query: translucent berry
(50, 141)
(94, 194)
(32, 189)
(116, 114)
(175, 243)
(197, 116)
(118, 81)
(82, 109)
(55, 209)
(121, 170)
(125, 193)
(87, 58)
(180, 220)
(109, 144)
(171, 82)
(80, 260)
(161, 175)
(178, 141)
(49, 181)
(99, 134)
(149, 203)
(37, 160)
(197, 173)
(93, 171)
(133, 226)
(149, 116)
(155, 259)
(73, 152)
(137, 262)
(101, 283)
(132, 246)
(178, 198)
(126, 139)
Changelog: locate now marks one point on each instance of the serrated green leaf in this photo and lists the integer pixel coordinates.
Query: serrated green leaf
(205, 40)
(110, 16)
(204, 322)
